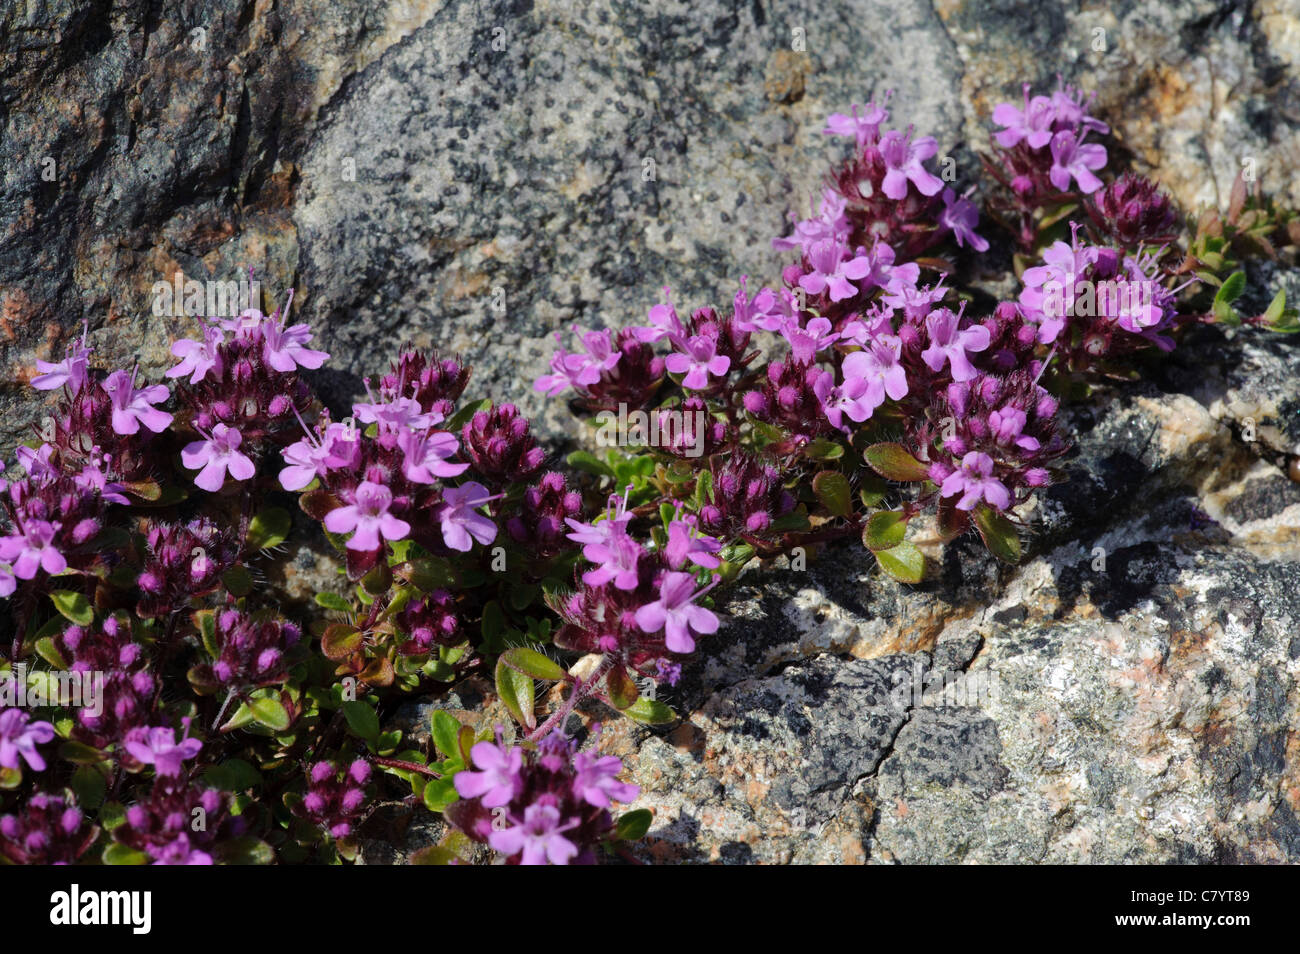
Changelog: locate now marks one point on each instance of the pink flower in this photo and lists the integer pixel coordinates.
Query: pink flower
(158, 747)
(133, 406)
(596, 781)
(1072, 157)
(830, 224)
(752, 314)
(497, 778)
(425, 456)
(178, 851)
(830, 270)
(685, 542)
(1006, 426)
(460, 518)
(616, 560)
(72, 371)
(806, 342)
(863, 129)
(675, 611)
(367, 518)
(849, 400)
(1033, 123)
(19, 738)
(1048, 294)
(974, 481)
(949, 345)
(310, 458)
(579, 370)
(33, 549)
(960, 214)
(539, 837)
(198, 357)
(879, 368)
(903, 160)
(697, 359)
(285, 349)
(217, 455)
(397, 416)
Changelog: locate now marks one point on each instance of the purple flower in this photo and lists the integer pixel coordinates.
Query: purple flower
(830, 270)
(19, 737)
(863, 129)
(285, 349)
(33, 549)
(697, 359)
(72, 371)
(217, 454)
(425, 456)
(685, 542)
(539, 837)
(974, 481)
(960, 214)
(829, 224)
(497, 778)
(616, 560)
(664, 323)
(1033, 123)
(879, 368)
(1048, 294)
(1072, 157)
(179, 851)
(198, 357)
(580, 370)
(675, 611)
(596, 781)
(397, 416)
(310, 458)
(367, 518)
(806, 342)
(133, 406)
(752, 314)
(158, 747)
(903, 159)
(948, 344)
(1006, 426)
(460, 518)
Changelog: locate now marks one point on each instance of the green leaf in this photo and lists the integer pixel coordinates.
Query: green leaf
(885, 529)
(462, 416)
(445, 730)
(362, 719)
(434, 573)
(871, 489)
(650, 711)
(238, 580)
(516, 692)
(590, 463)
(833, 491)
(704, 488)
(206, 623)
(90, 785)
(439, 793)
(823, 449)
(73, 606)
(622, 689)
(633, 825)
(244, 850)
(904, 563)
(119, 854)
(532, 663)
(493, 626)
(47, 650)
(793, 521)
(270, 712)
(332, 601)
(233, 775)
(1229, 292)
(270, 528)
(892, 461)
(999, 534)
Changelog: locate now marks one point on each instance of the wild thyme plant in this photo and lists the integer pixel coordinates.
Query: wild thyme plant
(158, 706)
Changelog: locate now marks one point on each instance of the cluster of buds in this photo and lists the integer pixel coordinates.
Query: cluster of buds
(545, 805)
(747, 497)
(430, 620)
(250, 651)
(178, 823)
(335, 796)
(539, 524)
(1132, 212)
(434, 382)
(184, 561)
(130, 689)
(52, 515)
(50, 830)
(499, 447)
